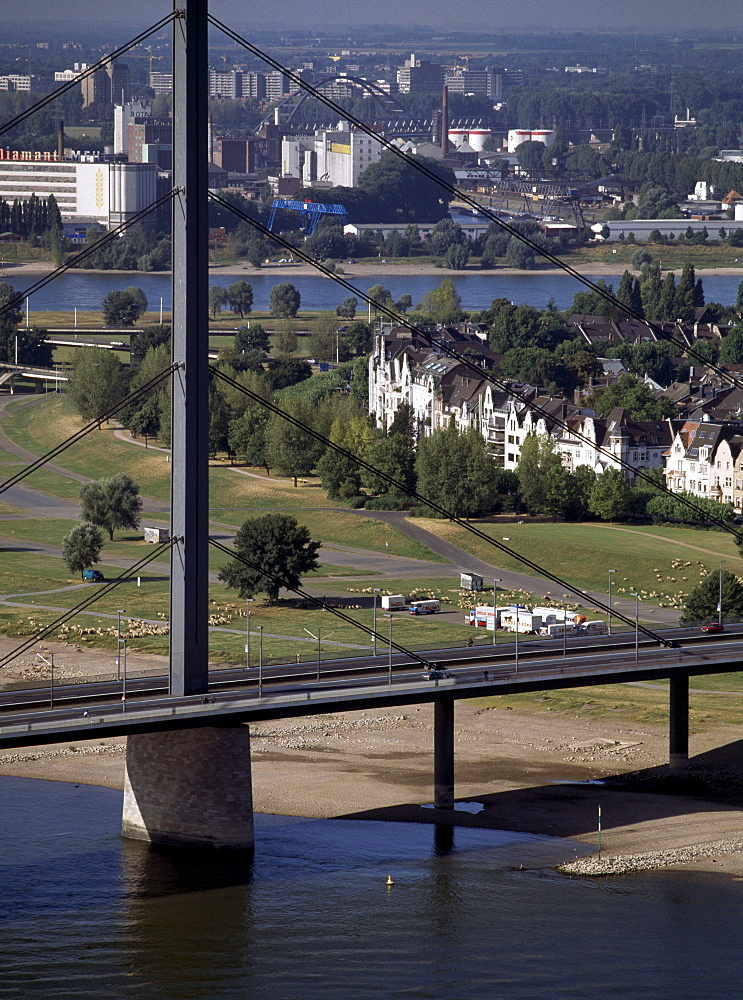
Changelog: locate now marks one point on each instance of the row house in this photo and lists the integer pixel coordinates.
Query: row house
(615, 442)
(706, 460)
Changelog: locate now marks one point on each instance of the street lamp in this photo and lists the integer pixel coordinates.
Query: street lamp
(637, 631)
(376, 591)
(390, 647)
(496, 581)
(611, 572)
(260, 660)
(517, 636)
(118, 644)
(248, 602)
(719, 596)
(327, 636)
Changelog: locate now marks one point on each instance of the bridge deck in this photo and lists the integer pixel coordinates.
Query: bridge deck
(552, 671)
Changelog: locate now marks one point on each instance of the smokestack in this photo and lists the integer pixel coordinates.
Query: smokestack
(445, 121)
(60, 140)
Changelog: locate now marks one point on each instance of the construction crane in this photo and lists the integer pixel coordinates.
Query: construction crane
(310, 211)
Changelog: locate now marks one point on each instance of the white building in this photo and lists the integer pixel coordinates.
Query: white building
(106, 194)
(342, 155)
(68, 75)
(14, 81)
(123, 114)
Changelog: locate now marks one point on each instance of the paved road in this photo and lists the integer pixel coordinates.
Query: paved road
(38, 504)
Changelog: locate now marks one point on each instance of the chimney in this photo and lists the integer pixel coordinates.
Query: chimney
(60, 140)
(276, 117)
(445, 121)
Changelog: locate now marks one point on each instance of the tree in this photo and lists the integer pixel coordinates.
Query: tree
(347, 309)
(731, 351)
(81, 547)
(247, 437)
(442, 304)
(141, 342)
(519, 255)
(283, 372)
(456, 257)
(293, 450)
(98, 381)
(9, 321)
(286, 341)
(251, 338)
(685, 295)
(217, 299)
(111, 503)
(704, 599)
(240, 297)
(394, 191)
(380, 296)
(285, 299)
(277, 548)
(557, 492)
(124, 307)
(357, 338)
(634, 396)
(538, 455)
(610, 494)
(455, 471)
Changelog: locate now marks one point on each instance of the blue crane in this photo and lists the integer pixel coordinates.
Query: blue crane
(311, 211)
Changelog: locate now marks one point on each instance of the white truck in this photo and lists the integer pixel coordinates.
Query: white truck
(394, 602)
(522, 621)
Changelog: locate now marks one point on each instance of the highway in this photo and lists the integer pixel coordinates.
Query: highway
(86, 711)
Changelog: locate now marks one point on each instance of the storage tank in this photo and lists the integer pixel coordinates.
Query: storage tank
(458, 135)
(478, 138)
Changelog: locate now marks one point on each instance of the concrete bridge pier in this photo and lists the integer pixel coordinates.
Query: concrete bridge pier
(443, 754)
(678, 728)
(190, 788)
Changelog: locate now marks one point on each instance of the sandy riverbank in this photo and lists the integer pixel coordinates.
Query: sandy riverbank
(528, 771)
(376, 270)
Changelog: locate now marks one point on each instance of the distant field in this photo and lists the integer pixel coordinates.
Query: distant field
(583, 553)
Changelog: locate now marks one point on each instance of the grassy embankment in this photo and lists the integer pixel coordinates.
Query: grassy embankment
(581, 552)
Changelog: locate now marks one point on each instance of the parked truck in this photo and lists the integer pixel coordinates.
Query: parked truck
(394, 602)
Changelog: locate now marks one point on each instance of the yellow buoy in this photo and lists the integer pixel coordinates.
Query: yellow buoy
(390, 880)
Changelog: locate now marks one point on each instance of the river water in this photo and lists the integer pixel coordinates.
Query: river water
(85, 914)
(85, 290)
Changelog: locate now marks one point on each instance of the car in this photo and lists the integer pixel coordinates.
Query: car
(713, 627)
(436, 674)
(93, 576)
(117, 343)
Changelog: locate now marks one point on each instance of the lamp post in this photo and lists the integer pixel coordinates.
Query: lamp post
(248, 602)
(123, 676)
(390, 649)
(260, 660)
(51, 690)
(496, 581)
(637, 631)
(517, 637)
(719, 595)
(374, 629)
(611, 573)
(327, 636)
(118, 644)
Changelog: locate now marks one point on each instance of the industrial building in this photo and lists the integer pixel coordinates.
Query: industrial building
(87, 193)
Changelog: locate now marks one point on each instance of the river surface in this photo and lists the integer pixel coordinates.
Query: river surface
(85, 290)
(85, 914)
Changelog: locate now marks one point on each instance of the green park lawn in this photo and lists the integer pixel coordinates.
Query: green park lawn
(583, 553)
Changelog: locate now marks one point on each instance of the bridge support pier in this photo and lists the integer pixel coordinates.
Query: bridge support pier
(190, 788)
(443, 754)
(678, 728)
